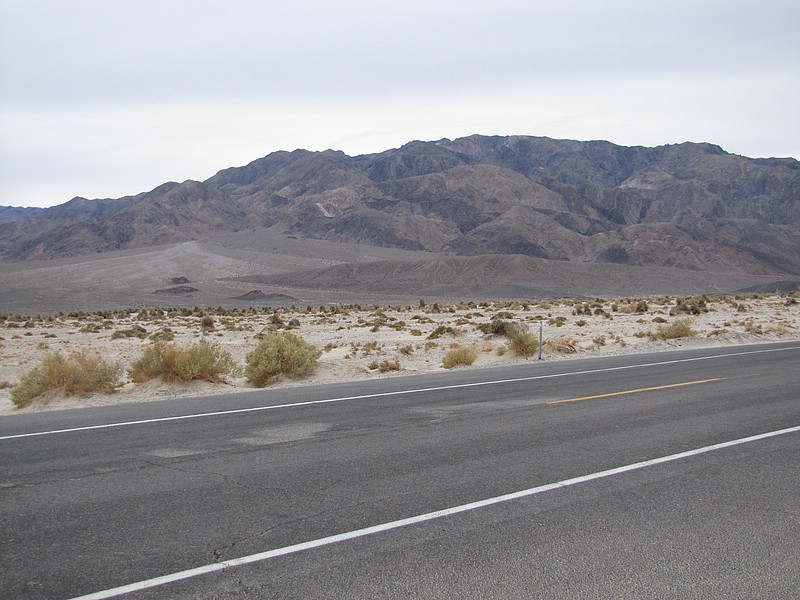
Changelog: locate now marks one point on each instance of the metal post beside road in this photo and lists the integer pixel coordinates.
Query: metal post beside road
(541, 327)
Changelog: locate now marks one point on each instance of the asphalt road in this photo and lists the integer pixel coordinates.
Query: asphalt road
(94, 499)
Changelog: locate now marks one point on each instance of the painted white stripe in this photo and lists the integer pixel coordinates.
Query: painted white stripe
(359, 533)
(385, 394)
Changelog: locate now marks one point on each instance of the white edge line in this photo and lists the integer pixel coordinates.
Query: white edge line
(384, 394)
(359, 533)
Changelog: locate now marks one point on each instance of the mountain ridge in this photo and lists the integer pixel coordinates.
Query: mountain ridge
(691, 206)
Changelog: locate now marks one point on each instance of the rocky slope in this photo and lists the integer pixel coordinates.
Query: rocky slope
(691, 206)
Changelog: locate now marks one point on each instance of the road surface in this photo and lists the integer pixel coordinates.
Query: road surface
(633, 476)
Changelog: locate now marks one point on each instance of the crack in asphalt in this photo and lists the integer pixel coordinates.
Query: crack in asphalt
(217, 552)
(224, 477)
(55, 480)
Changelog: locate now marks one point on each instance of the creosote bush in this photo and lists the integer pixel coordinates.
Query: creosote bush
(77, 374)
(461, 355)
(280, 354)
(204, 361)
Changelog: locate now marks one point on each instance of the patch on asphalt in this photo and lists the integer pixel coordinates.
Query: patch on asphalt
(283, 433)
(174, 452)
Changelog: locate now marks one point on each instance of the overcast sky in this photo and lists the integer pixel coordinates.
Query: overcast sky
(106, 98)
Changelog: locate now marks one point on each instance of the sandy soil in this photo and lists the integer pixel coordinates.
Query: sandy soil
(357, 341)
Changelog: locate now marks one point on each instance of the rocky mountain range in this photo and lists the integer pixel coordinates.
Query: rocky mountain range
(692, 206)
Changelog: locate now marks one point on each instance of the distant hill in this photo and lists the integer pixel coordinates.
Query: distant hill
(15, 213)
(691, 206)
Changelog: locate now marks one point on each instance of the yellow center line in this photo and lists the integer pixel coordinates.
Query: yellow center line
(622, 393)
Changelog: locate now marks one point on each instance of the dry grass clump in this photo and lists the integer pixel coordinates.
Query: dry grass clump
(77, 374)
(751, 326)
(679, 328)
(560, 345)
(522, 341)
(280, 354)
(385, 366)
(202, 361)
(460, 355)
(370, 347)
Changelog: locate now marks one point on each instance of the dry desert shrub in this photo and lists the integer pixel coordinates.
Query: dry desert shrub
(460, 355)
(136, 331)
(207, 323)
(78, 374)
(385, 366)
(280, 354)
(691, 306)
(497, 326)
(442, 330)
(522, 341)
(370, 347)
(560, 345)
(204, 361)
(166, 334)
(679, 328)
(631, 306)
(751, 326)
(779, 328)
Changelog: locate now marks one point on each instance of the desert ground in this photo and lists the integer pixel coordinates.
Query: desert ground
(371, 311)
(280, 269)
(362, 342)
